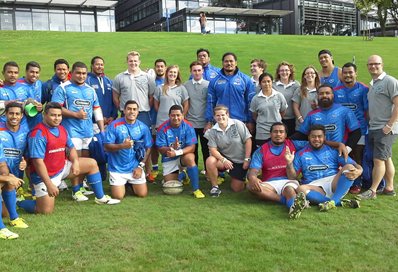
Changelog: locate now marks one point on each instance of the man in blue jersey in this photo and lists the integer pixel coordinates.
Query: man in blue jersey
(324, 182)
(54, 158)
(176, 141)
(330, 74)
(274, 185)
(121, 140)
(12, 90)
(353, 95)
(31, 79)
(340, 122)
(8, 182)
(13, 136)
(103, 88)
(209, 71)
(79, 105)
(233, 89)
(61, 75)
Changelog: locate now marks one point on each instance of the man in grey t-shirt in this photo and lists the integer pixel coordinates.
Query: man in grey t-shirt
(197, 91)
(383, 127)
(134, 84)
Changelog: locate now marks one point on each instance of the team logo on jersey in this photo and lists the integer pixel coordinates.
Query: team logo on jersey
(237, 81)
(330, 127)
(351, 106)
(61, 149)
(95, 86)
(82, 103)
(221, 81)
(318, 167)
(12, 152)
(4, 139)
(234, 131)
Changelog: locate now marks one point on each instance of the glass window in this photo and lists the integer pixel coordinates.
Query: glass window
(6, 20)
(23, 20)
(72, 22)
(57, 22)
(104, 24)
(88, 23)
(40, 21)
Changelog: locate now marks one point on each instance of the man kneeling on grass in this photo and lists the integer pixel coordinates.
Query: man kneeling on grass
(323, 182)
(274, 184)
(49, 144)
(125, 157)
(176, 141)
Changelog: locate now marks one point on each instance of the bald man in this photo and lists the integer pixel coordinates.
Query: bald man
(383, 126)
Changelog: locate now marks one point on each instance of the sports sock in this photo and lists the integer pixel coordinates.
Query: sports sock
(96, 184)
(10, 200)
(181, 176)
(343, 185)
(28, 205)
(316, 197)
(289, 202)
(193, 174)
(76, 188)
(2, 226)
(155, 167)
(283, 200)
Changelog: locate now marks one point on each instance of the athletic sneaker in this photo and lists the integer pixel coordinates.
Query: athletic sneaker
(327, 206)
(369, 194)
(203, 172)
(79, 196)
(8, 235)
(155, 173)
(85, 191)
(151, 178)
(107, 200)
(300, 203)
(63, 186)
(198, 194)
(350, 203)
(215, 191)
(19, 223)
(388, 192)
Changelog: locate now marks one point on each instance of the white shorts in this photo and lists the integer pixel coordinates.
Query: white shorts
(361, 140)
(280, 184)
(325, 183)
(171, 166)
(119, 179)
(41, 188)
(81, 143)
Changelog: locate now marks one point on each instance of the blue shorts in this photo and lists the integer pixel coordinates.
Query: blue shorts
(145, 117)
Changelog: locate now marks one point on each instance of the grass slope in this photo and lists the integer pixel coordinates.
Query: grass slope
(232, 233)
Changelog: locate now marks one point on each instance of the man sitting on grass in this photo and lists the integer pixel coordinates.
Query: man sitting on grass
(54, 158)
(323, 182)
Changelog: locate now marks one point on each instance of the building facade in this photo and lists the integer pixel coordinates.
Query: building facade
(58, 15)
(183, 16)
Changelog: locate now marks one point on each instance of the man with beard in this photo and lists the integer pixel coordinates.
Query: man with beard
(233, 89)
(326, 176)
(340, 123)
(274, 184)
(353, 95)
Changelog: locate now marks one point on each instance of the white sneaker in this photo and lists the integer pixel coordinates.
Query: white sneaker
(7, 234)
(63, 186)
(78, 196)
(85, 191)
(107, 200)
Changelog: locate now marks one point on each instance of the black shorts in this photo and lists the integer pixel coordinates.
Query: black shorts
(238, 172)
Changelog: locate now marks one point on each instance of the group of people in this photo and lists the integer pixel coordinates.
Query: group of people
(264, 131)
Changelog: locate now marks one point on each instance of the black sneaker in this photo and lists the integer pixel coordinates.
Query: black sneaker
(215, 191)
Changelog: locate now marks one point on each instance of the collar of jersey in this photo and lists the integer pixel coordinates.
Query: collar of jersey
(379, 78)
(273, 93)
(217, 127)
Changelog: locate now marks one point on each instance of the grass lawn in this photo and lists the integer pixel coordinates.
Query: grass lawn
(234, 232)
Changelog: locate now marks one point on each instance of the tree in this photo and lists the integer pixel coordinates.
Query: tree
(382, 6)
(393, 11)
(365, 6)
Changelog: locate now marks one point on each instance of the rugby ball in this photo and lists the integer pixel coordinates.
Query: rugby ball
(172, 187)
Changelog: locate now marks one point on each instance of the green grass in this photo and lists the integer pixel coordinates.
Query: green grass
(178, 233)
